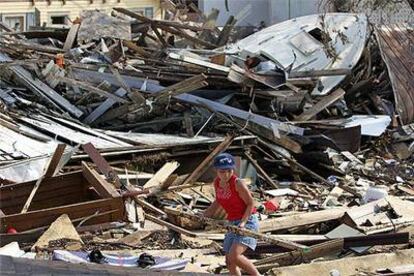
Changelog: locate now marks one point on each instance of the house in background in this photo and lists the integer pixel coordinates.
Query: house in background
(251, 12)
(21, 14)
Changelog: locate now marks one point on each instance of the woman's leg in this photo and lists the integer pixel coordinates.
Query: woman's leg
(236, 258)
(232, 266)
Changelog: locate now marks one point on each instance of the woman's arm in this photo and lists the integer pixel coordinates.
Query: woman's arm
(211, 210)
(245, 194)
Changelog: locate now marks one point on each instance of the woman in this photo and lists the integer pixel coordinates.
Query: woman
(233, 195)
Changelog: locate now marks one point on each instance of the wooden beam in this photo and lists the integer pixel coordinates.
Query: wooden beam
(49, 171)
(100, 110)
(268, 179)
(206, 163)
(295, 257)
(102, 164)
(38, 218)
(145, 19)
(104, 188)
(348, 265)
(225, 33)
(159, 36)
(92, 89)
(199, 62)
(135, 48)
(321, 105)
(292, 221)
(240, 231)
(161, 175)
(70, 38)
(131, 192)
(170, 226)
(54, 161)
(26, 79)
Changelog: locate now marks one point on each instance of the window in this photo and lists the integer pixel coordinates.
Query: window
(149, 12)
(16, 22)
(58, 20)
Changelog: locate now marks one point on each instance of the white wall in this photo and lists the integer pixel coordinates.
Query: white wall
(259, 10)
(282, 10)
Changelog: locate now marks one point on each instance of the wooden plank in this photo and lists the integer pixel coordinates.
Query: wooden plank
(12, 191)
(185, 35)
(321, 105)
(206, 163)
(107, 104)
(135, 48)
(26, 79)
(102, 164)
(199, 62)
(406, 190)
(295, 257)
(70, 38)
(162, 175)
(104, 188)
(34, 219)
(92, 89)
(170, 226)
(54, 161)
(318, 73)
(140, 215)
(245, 232)
(149, 206)
(225, 33)
(348, 265)
(50, 171)
(283, 223)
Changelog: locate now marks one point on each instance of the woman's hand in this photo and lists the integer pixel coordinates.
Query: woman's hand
(242, 224)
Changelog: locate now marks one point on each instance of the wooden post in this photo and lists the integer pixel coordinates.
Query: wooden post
(269, 180)
(203, 167)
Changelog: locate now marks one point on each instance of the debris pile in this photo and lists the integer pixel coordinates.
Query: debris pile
(108, 131)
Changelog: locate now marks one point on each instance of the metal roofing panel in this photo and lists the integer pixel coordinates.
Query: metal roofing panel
(397, 48)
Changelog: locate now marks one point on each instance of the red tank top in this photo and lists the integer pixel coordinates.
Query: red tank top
(229, 199)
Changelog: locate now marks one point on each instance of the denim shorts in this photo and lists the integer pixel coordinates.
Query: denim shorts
(230, 238)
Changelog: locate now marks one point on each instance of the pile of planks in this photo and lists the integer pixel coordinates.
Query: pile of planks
(108, 130)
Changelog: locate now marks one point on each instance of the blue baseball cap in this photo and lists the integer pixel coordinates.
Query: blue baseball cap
(224, 161)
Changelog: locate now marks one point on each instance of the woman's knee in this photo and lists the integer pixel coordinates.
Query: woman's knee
(233, 258)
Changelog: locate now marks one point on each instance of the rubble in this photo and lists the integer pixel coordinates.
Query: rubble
(108, 131)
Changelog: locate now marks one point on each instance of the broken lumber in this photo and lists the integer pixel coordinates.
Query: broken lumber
(276, 224)
(70, 38)
(105, 189)
(170, 226)
(347, 266)
(321, 105)
(294, 257)
(240, 231)
(102, 164)
(268, 179)
(161, 175)
(206, 163)
(50, 170)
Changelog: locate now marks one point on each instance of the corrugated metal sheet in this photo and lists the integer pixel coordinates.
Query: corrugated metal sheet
(397, 48)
